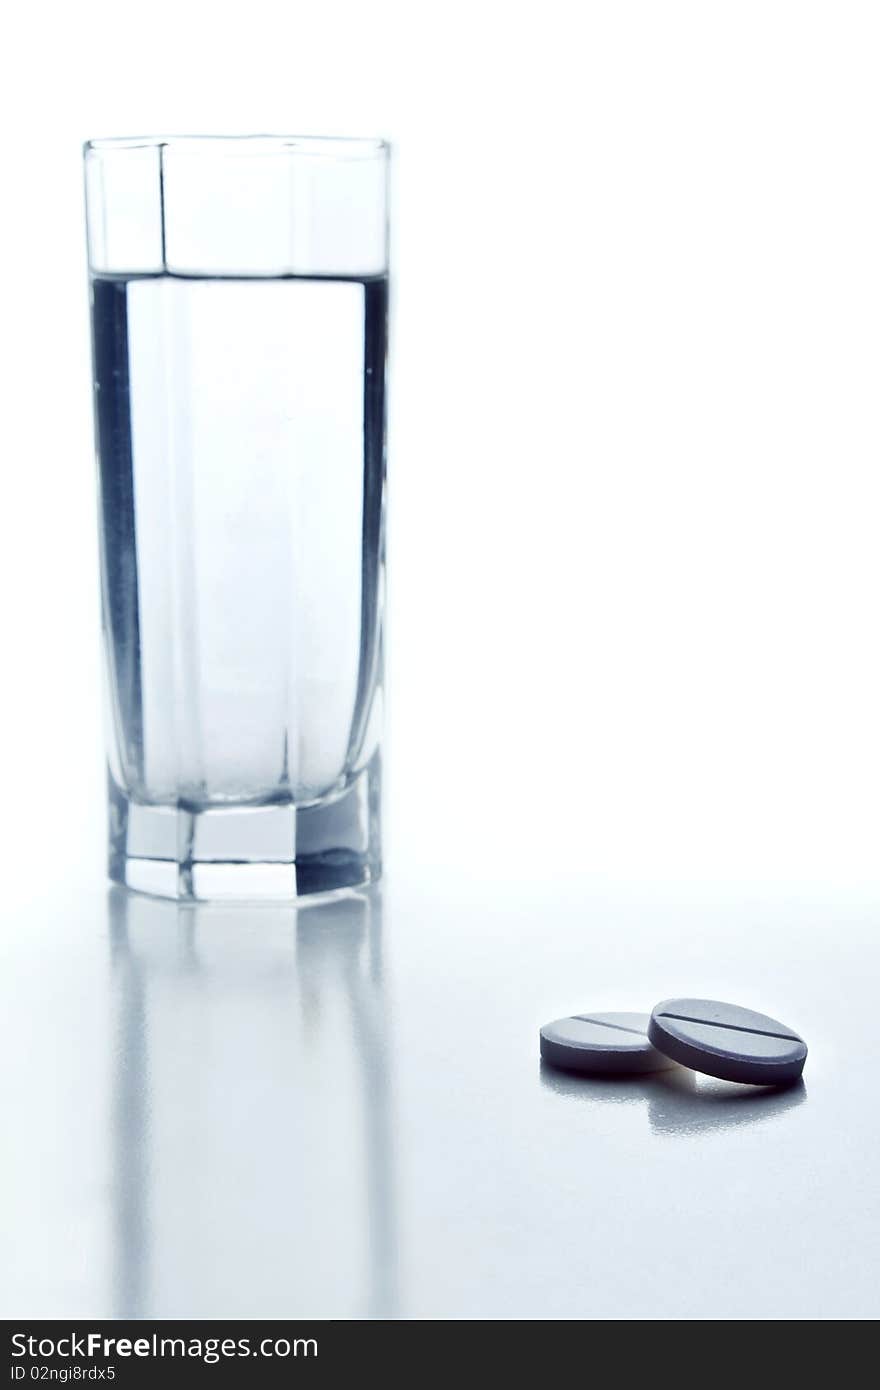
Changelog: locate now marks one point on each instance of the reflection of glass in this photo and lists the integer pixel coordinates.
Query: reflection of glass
(679, 1103)
(253, 1169)
(239, 325)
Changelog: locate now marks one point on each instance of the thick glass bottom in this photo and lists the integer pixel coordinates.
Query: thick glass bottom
(276, 852)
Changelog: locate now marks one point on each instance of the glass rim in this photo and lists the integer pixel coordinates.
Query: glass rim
(336, 147)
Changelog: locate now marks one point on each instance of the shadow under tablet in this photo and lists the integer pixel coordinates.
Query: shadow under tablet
(679, 1102)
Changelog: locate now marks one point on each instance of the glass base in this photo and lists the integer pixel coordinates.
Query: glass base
(275, 852)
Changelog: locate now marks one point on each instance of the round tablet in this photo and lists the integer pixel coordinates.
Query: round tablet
(726, 1041)
(601, 1043)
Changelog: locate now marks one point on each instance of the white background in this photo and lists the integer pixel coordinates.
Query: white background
(634, 677)
(635, 425)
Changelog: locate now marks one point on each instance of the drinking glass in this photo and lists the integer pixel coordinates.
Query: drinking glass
(239, 291)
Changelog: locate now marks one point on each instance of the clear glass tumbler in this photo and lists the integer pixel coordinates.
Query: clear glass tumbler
(239, 291)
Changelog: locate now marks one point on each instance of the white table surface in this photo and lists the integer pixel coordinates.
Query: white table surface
(233, 1112)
